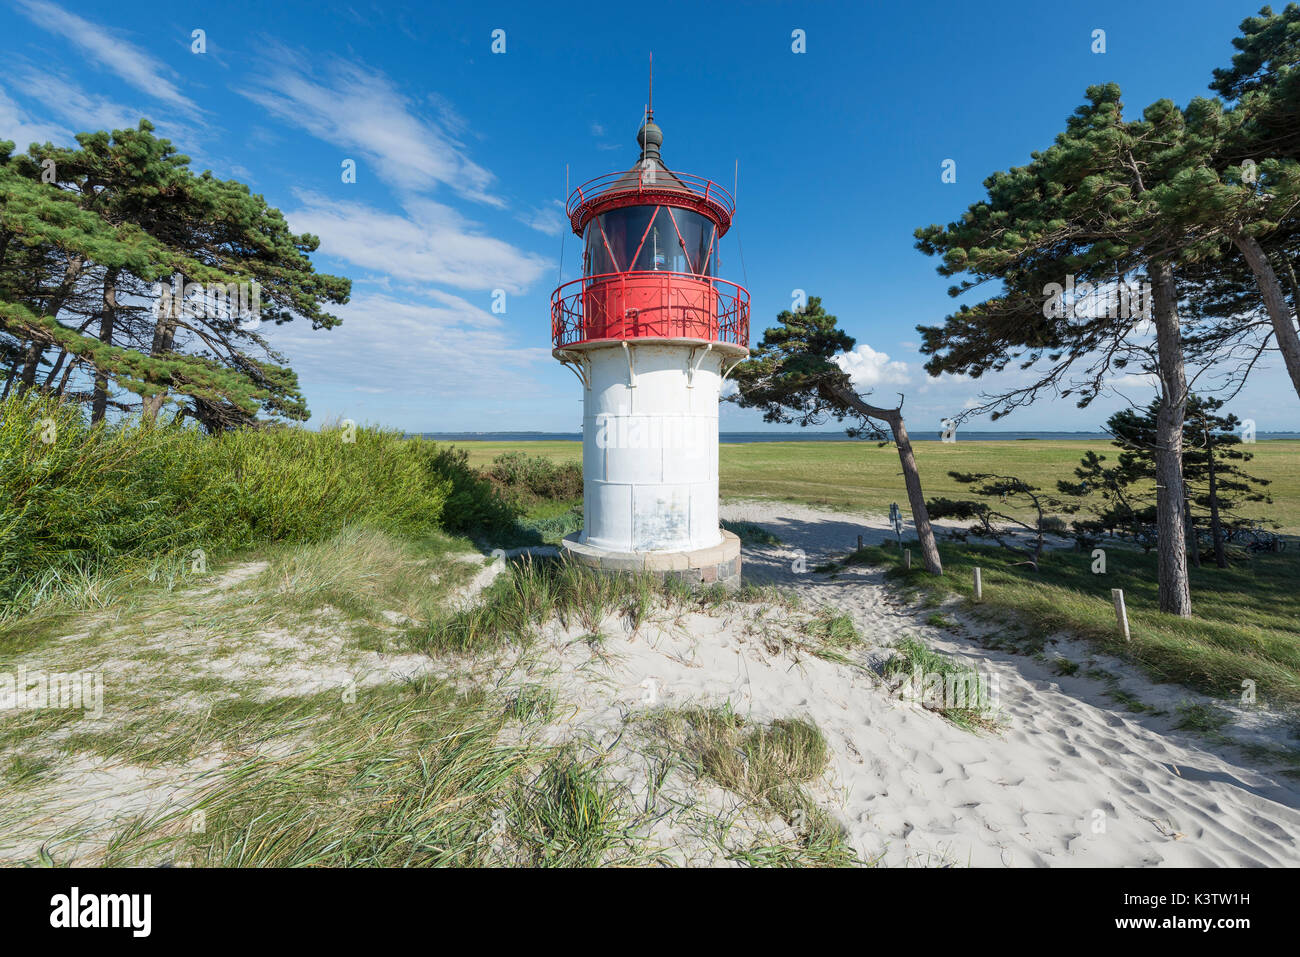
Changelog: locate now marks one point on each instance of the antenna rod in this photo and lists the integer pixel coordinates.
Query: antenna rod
(650, 109)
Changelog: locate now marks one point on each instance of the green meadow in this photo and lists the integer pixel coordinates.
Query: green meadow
(865, 476)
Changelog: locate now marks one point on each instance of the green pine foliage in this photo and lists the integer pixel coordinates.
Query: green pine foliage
(1123, 492)
(89, 237)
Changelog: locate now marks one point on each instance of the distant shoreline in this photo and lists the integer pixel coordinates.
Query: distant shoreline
(742, 438)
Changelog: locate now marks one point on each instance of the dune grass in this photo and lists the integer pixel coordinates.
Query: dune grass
(1246, 623)
(943, 685)
(406, 775)
(532, 591)
(398, 773)
(420, 772)
(750, 533)
(81, 506)
(767, 765)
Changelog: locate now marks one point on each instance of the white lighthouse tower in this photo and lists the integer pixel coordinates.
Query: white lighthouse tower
(651, 332)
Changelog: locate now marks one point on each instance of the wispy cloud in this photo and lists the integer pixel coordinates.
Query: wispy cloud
(110, 50)
(445, 344)
(85, 111)
(358, 109)
(546, 219)
(18, 125)
(1134, 380)
(431, 243)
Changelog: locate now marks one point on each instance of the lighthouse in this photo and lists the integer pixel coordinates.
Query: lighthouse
(651, 331)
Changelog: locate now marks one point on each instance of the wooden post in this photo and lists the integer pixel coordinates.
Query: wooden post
(907, 559)
(979, 585)
(1121, 613)
(859, 543)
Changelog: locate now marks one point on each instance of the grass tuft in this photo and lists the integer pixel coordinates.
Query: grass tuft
(952, 689)
(766, 765)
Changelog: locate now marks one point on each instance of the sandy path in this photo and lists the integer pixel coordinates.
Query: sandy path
(1073, 779)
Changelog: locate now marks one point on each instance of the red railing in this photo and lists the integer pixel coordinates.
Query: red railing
(657, 181)
(650, 305)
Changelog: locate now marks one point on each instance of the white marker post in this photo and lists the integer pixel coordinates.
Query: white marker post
(1121, 613)
(907, 559)
(979, 585)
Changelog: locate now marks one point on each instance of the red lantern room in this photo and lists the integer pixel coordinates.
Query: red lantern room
(650, 258)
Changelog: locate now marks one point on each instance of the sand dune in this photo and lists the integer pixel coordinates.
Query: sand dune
(1071, 779)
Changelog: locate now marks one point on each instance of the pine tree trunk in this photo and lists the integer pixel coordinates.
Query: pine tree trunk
(1295, 286)
(31, 362)
(1216, 524)
(1288, 341)
(108, 314)
(37, 349)
(67, 374)
(164, 335)
(1174, 591)
(911, 475)
(54, 369)
(11, 378)
(915, 497)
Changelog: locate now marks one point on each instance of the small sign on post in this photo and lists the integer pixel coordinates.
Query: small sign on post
(1121, 613)
(896, 520)
(979, 584)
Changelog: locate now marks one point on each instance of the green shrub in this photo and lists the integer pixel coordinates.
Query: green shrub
(474, 504)
(749, 533)
(80, 499)
(531, 478)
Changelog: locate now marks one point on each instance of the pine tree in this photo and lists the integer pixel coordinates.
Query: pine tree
(1082, 210)
(1215, 484)
(793, 377)
(1256, 189)
(82, 257)
(1027, 537)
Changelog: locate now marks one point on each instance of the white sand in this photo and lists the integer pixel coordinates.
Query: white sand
(1071, 779)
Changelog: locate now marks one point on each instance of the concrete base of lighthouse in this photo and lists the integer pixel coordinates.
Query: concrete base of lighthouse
(718, 564)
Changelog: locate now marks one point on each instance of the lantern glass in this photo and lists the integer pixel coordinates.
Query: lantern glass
(650, 239)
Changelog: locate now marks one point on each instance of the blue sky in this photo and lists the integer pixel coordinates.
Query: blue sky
(461, 155)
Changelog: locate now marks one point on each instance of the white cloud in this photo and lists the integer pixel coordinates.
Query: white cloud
(547, 219)
(1134, 380)
(359, 109)
(85, 111)
(869, 368)
(427, 349)
(431, 243)
(18, 125)
(110, 50)
(945, 379)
